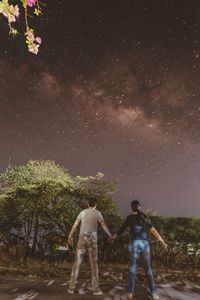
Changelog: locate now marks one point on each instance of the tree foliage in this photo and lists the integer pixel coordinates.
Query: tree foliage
(183, 237)
(40, 201)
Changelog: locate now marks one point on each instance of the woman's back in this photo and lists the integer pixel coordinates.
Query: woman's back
(138, 227)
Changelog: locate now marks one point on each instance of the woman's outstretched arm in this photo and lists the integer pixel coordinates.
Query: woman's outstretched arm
(155, 233)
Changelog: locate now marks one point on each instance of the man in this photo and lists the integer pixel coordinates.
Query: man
(89, 219)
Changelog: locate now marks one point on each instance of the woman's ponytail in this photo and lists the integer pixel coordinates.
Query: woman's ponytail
(135, 205)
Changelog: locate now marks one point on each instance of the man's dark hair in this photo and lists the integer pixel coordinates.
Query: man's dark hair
(92, 202)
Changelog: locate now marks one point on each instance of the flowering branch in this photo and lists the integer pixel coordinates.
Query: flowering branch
(12, 13)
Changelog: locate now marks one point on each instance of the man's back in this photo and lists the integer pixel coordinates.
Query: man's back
(89, 219)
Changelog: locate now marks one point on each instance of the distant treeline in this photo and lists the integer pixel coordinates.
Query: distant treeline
(40, 200)
(182, 236)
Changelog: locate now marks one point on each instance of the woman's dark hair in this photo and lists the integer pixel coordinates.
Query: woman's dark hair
(92, 202)
(135, 205)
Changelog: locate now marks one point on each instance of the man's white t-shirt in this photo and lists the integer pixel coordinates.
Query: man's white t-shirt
(89, 218)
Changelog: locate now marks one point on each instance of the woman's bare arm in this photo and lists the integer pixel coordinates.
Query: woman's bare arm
(155, 233)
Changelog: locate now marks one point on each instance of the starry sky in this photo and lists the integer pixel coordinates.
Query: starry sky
(115, 88)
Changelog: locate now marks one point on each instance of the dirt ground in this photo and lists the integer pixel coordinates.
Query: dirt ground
(28, 288)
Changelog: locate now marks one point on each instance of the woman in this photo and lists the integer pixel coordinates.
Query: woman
(140, 225)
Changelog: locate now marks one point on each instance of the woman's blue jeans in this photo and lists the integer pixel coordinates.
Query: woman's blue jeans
(140, 248)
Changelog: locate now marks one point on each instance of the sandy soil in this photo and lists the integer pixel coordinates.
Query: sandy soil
(55, 289)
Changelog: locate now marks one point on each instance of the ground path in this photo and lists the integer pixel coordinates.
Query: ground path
(55, 289)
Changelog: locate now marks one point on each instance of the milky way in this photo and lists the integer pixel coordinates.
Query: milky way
(115, 89)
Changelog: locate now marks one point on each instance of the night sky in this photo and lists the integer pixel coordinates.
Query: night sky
(115, 88)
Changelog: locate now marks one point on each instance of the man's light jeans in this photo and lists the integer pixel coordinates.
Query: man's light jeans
(86, 242)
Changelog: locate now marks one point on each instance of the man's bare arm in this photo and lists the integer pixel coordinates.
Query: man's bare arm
(70, 238)
(105, 228)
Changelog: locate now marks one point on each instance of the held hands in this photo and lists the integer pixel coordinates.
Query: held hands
(70, 241)
(112, 238)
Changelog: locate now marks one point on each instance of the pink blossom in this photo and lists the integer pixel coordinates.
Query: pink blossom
(34, 48)
(38, 40)
(31, 35)
(16, 11)
(31, 3)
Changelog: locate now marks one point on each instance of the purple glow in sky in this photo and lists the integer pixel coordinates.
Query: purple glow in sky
(115, 88)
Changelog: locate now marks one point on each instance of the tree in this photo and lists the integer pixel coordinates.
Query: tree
(45, 200)
(12, 10)
(33, 188)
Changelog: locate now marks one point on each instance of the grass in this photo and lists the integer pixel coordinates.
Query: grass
(108, 271)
